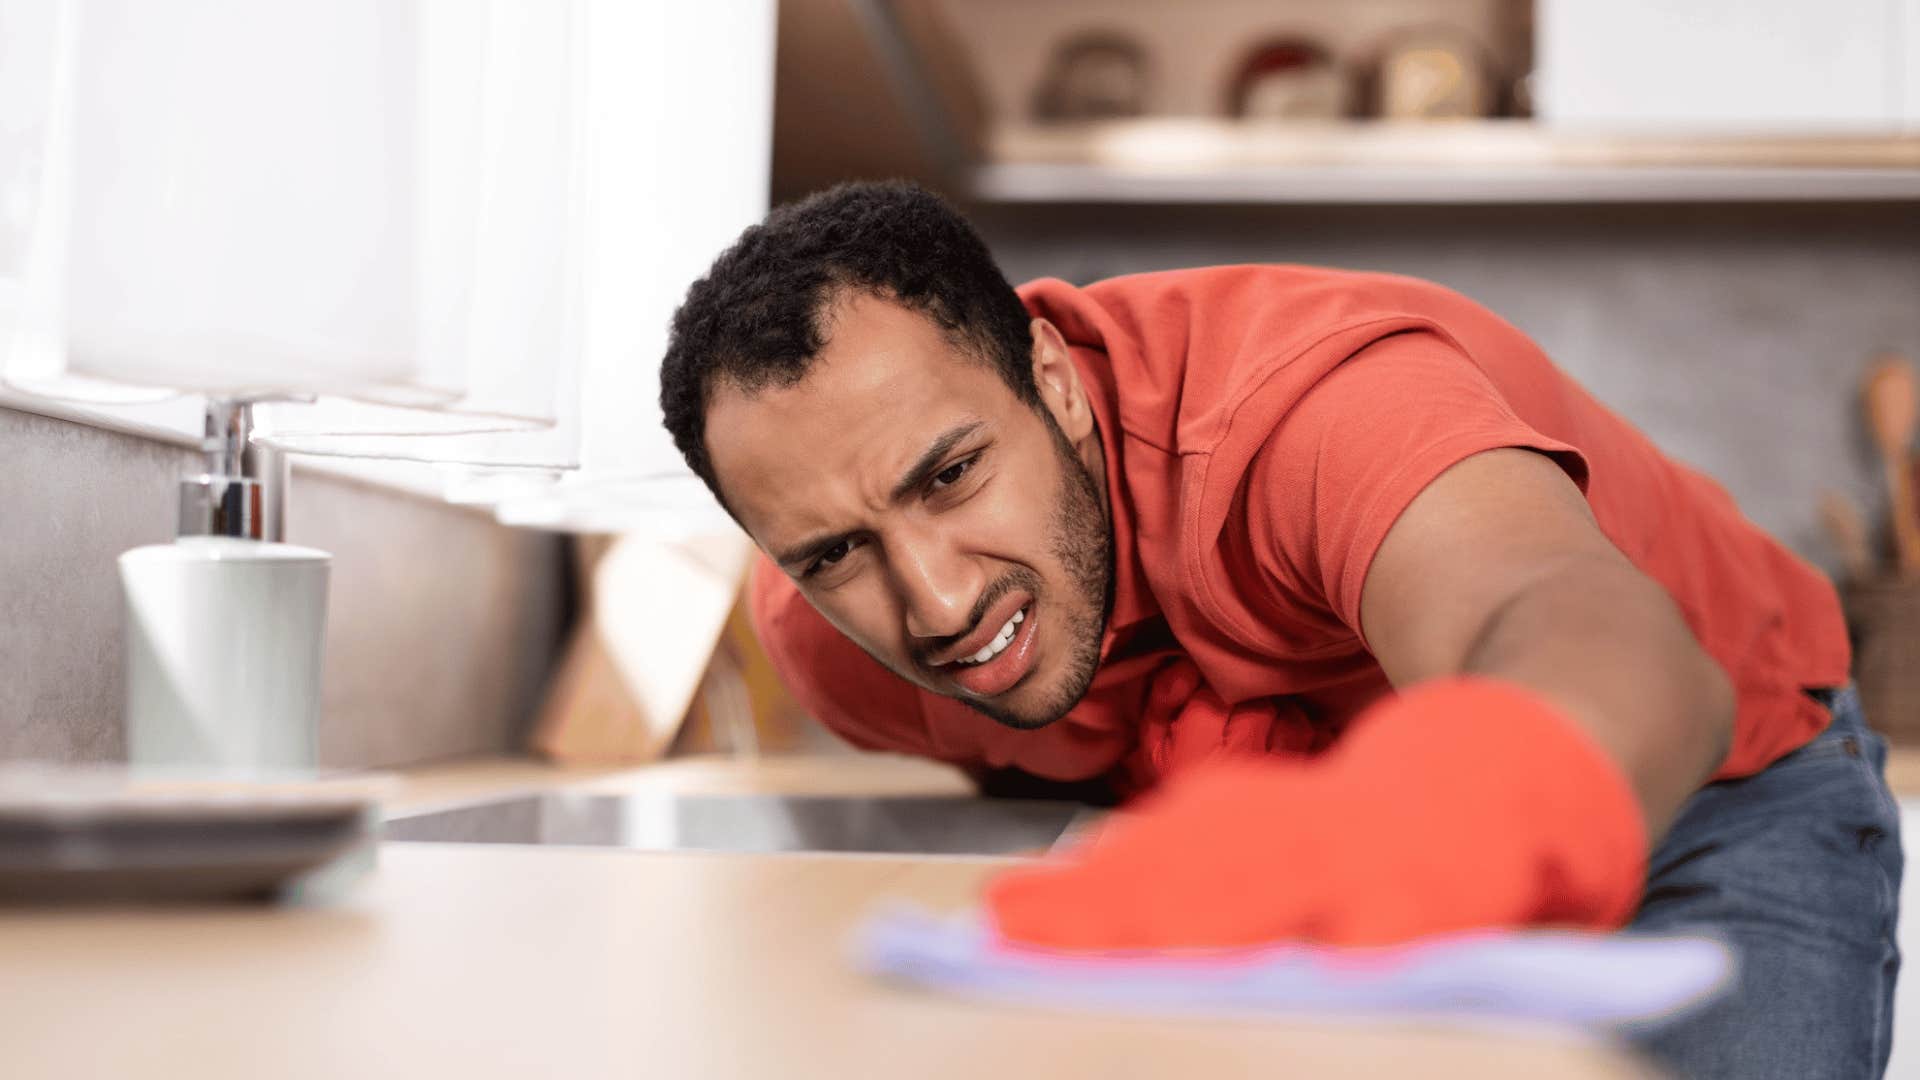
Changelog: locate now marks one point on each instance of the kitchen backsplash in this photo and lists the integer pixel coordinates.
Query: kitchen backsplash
(441, 631)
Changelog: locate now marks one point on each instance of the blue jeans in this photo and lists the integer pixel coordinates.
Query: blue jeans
(1798, 867)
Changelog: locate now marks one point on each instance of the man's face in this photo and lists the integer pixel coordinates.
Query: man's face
(952, 531)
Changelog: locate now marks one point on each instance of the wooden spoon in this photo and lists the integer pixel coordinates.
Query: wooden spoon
(1890, 393)
(1913, 484)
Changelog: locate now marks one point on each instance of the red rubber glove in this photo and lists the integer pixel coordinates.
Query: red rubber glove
(1463, 803)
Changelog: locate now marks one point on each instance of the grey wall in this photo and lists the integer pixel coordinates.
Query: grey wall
(1734, 336)
(441, 629)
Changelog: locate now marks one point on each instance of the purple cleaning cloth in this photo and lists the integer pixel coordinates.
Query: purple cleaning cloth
(1555, 977)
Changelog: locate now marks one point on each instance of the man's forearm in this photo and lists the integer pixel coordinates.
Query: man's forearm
(1607, 644)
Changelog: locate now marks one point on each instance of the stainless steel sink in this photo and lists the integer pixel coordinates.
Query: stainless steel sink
(667, 822)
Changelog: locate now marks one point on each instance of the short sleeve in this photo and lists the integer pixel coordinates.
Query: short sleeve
(1345, 461)
(837, 683)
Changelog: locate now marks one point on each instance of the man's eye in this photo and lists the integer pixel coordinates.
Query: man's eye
(831, 556)
(951, 475)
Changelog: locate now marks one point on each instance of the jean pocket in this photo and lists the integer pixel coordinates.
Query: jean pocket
(1846, 743)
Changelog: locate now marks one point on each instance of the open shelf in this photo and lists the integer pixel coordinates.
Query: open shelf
(1203, 159)
(991, 157)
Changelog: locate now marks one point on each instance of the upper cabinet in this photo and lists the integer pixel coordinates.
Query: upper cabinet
(1730, 66)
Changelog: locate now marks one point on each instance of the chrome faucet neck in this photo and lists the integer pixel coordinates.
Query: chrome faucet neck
(242, 493)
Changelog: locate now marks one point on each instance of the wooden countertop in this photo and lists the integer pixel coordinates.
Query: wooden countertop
(492, 961)
(471, 779)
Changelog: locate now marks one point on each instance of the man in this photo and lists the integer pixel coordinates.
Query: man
(1392, 628)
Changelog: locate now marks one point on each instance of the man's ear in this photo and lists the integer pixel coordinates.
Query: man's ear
(1059, 381)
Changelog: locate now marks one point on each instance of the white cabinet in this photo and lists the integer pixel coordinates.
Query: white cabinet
(1779, 66)
(1907, 46)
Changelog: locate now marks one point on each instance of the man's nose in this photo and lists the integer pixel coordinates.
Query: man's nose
(938, 585)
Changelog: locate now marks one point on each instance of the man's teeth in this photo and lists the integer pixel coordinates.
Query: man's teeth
(992, 648)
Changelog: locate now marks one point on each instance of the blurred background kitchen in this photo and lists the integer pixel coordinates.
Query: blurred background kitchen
(1708, 217)
(1708, 213)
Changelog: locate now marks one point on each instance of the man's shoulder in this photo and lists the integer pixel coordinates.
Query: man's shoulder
(1239, 290)
(1183, 353)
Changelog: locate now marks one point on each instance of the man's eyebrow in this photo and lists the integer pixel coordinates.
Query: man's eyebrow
(808, 550)
(931, 459)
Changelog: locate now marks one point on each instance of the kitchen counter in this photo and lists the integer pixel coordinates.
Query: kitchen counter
(472, 779)
(484, 960)
(475, 961)
(1903, 771)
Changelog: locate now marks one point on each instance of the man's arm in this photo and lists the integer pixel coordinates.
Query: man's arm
(1562, 714)
(1498, 568)
(1555, 709)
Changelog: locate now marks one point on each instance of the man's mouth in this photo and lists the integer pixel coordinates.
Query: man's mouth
(999, 643)
(999, 664)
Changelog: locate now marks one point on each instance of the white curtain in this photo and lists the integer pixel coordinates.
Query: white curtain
(459, 227)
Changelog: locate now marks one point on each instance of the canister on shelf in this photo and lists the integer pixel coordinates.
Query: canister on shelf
(1095, 75)
(1291, 78)
(1429, 73)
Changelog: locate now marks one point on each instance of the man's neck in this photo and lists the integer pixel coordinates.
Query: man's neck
(1093, 455)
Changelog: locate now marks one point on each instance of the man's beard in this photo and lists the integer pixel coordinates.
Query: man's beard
(1080, 539)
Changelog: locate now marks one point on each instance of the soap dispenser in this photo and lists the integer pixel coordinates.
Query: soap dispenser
(224, 626)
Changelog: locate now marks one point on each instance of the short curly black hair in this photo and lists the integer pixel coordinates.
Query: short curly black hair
(758, 318)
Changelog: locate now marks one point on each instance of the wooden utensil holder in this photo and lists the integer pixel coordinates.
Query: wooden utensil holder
(1883, 619)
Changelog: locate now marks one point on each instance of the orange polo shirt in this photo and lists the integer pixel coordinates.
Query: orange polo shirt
(1263, 428)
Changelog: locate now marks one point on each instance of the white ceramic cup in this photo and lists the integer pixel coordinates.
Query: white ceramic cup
(223, 651)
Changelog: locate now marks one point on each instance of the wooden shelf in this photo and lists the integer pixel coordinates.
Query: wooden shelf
(1201, 159)
(1223, 161)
